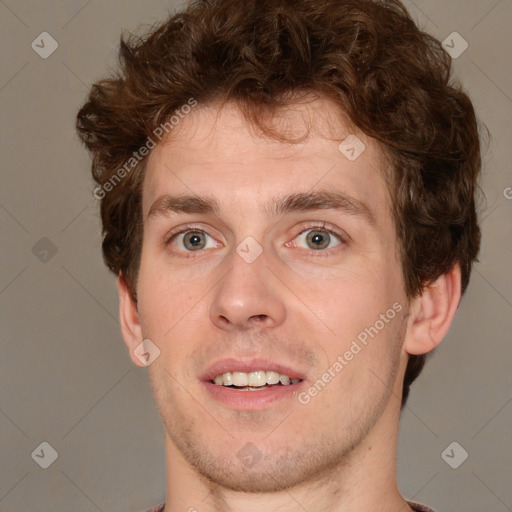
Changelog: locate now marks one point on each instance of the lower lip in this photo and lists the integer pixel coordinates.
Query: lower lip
(251, 399)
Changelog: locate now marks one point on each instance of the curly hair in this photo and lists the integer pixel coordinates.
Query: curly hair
(391, 79)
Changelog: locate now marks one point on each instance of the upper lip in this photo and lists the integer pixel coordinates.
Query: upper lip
(248, 365)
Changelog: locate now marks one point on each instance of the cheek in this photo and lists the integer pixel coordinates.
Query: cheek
(352, 297)
(166, 300)
(363, 325)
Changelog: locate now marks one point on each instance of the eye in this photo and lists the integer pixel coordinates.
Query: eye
(319, 238)
(316, 239)
(192, 240)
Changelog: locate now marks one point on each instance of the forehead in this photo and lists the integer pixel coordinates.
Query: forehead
(216, 153)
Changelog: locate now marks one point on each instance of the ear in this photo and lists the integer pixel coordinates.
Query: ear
(432, 312)
(129, 318)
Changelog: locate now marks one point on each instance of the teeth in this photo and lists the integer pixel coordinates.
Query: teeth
(257, 379)
(272, 377)
(284, 379)
(240, 379)
(253, 379)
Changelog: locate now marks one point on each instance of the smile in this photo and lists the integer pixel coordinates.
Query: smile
(253, 381)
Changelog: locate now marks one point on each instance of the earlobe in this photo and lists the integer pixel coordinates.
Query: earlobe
(129, 319)
(432, 312)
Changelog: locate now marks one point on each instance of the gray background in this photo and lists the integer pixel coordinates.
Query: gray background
(65, 374)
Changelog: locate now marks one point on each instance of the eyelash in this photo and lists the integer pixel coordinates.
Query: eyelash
(320, 226)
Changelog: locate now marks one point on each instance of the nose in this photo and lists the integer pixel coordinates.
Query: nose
(248, 296)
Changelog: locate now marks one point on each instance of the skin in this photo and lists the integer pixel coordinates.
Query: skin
(294, 304)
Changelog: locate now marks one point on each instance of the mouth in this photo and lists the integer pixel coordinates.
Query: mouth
(253, 381)
(251, 384)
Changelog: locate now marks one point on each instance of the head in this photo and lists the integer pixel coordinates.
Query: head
(286, 82)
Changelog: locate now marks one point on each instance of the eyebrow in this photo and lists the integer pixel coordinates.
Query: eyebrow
(296, 202)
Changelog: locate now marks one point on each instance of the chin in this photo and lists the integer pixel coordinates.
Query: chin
(266, 479)
(274, 470)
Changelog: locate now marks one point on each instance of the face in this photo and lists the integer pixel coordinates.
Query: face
(283, 261)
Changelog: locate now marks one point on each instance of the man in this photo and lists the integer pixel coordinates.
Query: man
(287, 197)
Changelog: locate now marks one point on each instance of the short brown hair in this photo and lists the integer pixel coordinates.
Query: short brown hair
(392, 80)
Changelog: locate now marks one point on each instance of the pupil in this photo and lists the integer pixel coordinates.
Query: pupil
(319, 239)
(194, 241)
